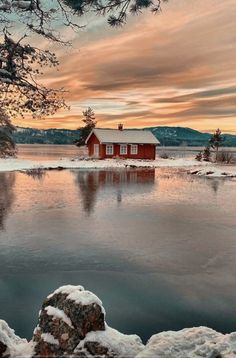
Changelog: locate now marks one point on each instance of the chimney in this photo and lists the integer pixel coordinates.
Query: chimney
(120, 127)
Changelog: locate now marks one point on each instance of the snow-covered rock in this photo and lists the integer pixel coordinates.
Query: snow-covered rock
(190, 343)
(109, 343)
(67, 315)
(13, 346)
(72, 324)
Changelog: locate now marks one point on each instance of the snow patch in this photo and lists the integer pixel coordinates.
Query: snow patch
(48, 338)
(67, 289)
(79, 295)
(56, 313)
(121, 345)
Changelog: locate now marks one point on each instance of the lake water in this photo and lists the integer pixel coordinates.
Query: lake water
(52, 152)
(157, 246)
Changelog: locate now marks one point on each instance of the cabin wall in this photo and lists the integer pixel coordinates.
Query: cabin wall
(145, 151)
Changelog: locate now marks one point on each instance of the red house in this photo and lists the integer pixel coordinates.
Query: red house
(123, 143)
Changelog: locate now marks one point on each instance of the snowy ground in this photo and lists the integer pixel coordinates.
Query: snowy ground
(194, 167)
(13, 164)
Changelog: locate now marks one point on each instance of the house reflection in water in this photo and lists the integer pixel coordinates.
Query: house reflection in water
(90, 182)
(7, 181)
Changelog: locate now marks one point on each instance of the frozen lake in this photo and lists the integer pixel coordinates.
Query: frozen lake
(157, 246)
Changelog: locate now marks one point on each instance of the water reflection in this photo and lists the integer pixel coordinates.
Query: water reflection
(91, 182)
(36, 174)
(161, 247)
(7, 181)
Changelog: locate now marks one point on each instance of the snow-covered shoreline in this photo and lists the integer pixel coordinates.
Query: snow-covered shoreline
(193, 167)
(214, 172)
(14, 164)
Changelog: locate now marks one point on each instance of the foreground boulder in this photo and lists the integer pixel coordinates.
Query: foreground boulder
(66, 317)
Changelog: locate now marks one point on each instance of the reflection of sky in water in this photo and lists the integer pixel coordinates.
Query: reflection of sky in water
(158, 247)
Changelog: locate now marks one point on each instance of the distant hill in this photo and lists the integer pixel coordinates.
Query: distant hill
(176, 136)
(168, 136)
(45, 136)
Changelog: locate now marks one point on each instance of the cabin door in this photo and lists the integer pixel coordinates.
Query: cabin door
(96, 150)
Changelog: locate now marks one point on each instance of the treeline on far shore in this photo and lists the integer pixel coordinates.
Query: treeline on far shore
(168, 136)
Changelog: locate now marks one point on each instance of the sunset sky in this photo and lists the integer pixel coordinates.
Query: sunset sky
(177, 68)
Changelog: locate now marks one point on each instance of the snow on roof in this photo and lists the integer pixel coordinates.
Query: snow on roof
(130, 136)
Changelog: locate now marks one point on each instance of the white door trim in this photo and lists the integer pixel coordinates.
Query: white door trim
(96, 150)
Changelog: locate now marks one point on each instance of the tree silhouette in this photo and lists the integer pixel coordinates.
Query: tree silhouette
(216, 141)
(7, 145)
(90, 123)
(206, 154)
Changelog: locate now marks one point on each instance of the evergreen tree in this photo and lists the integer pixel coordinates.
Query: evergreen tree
(90, 123)
(206, 154)
(216, 141)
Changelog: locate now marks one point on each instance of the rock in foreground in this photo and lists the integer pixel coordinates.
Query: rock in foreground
(66, 317)
(190, 343)
(11, 345)
(72, 324)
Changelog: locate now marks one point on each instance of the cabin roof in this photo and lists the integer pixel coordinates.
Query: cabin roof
(128, 136)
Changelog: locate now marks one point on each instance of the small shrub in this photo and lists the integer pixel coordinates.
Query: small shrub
(164, 155)
(206, 154)
(225, 157)
(199, 156)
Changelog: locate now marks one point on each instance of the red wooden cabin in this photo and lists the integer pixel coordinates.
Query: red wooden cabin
(123, 143)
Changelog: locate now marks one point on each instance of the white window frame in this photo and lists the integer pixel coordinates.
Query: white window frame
(123, 149)
(109, 149)
(134, 149)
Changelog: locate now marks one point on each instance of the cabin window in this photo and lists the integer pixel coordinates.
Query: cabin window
(123, 149)
(109, 149)
(134, 149)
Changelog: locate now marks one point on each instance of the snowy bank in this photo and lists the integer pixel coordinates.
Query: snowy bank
(13, 164)
(214, 172)
(190, 343)
(72, 324)
(13, 346)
